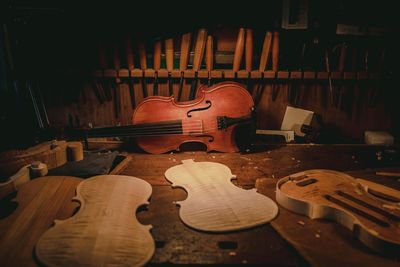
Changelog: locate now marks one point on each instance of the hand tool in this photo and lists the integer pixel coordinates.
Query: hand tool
(328, 70)
(184, 58)
(265, 55)
(198, 58)
(104, 84)
(209, 57)
(156, 65)
(275, 62)
(130, 65)
(117, 67)
(169, 58)
(143, 66)
(239, 48)
(249, 57)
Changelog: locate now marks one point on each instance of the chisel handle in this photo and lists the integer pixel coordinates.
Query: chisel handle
(116, 61)
(157, 55)
(249, 50)
(142, 56)
(169, 54)
(210, 53)
(129, 53)
(199, 49)
(275, 52)
(185, 49)
(266, 51)
(237, 58)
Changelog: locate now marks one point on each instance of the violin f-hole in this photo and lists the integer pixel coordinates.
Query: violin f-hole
(208, 102)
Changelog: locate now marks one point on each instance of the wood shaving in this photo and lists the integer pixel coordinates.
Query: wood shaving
(301, 223)
(246, 158)
(232, 253)
(265, 159)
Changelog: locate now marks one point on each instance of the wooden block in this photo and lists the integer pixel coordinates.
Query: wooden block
(202, 74)
(349, 75)
(270, 74)
(216, 74)
(136, 73)
(256, 74)
(322, 75)
(309, 75)
(283, 74)
(336, 75)
(242, 74)
(189, 74)
(162, 73)
(110, 73)
(123, 73)
(229, 74)
(296, 75)
(149, 73)
(75, 151)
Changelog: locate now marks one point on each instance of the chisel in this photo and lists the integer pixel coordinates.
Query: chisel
(131, 66)
(209, 57)
(169, 58)
(156, 65)
(249, 57)
(143, 66)
(265, 54)
(184, 59)
(104, 85)
(198, 58)
(239, 48)
(275, 62)
(117, 67)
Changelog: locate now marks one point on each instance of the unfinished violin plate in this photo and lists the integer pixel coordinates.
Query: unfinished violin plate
(339, 197)
(214, 204)
(105, 231)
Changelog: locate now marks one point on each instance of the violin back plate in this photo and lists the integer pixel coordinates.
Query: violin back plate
(339, 197)
(214, 204)
(105, 231)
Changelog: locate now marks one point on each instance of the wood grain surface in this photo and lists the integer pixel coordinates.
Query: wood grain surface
(214, 204)
(26, 217)
(339, 197)
(105, 231)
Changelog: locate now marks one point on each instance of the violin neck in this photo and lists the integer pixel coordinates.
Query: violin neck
(138, 130)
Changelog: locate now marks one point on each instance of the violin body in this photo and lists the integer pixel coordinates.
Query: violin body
(201, 119)
(105, 231)
(214, 203)
(337, 196)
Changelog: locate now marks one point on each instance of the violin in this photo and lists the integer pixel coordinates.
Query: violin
(222, 117)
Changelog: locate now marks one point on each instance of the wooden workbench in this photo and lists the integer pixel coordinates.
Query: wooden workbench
(177, 243)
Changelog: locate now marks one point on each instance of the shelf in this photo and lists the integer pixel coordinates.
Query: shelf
(242, 74)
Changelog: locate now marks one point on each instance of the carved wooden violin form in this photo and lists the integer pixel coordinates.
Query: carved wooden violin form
(221, 117)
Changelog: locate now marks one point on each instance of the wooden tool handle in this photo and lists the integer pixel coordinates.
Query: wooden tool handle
(210, 53)
(249, 50)
(266, 51)
(199, 48)
(169, 54)
(102, 57)
(185, 47)
(237, 59)
(275, 52)
(157, 55)
(116, 58)
(129, 53)
(142, 56)
(342, 57)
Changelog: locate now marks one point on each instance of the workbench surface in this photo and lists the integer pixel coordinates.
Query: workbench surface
(176, 243)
